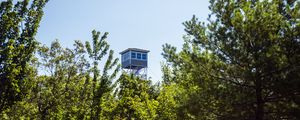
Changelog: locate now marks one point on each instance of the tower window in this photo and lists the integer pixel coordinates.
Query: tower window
(126, 56)
(138, 55)
(144, 56)
(133, 55)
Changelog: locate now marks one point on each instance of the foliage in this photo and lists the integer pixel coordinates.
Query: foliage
(243, 62)
(134, 99)
(64, 88)
(102, 84)
(17, 47)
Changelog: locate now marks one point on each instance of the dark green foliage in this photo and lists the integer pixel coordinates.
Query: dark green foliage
(17, 45)
(244, 62)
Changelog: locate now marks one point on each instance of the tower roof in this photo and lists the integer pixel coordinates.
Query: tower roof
(134, 49)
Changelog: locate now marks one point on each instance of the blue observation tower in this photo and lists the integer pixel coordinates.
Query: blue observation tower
(135, 61)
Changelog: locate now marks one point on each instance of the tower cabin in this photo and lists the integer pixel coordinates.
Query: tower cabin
(134, 59)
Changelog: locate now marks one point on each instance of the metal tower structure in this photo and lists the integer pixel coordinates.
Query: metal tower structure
(135, 61)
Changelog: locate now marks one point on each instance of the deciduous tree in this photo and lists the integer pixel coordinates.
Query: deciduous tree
(18, 26)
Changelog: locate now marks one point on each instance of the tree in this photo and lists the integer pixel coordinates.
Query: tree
(17, 47)
(80, 96)
(169, 101)
(65, 78)
(64, 89)
(134, 99)
(198, 95)
(244, 61)
(102, 83)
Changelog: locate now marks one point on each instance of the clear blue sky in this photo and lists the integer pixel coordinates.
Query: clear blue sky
(146, 24)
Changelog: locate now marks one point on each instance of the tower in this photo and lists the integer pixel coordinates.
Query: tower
(135, 61)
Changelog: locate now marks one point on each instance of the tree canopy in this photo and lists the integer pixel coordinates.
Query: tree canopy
(243, 63)
(18, 26)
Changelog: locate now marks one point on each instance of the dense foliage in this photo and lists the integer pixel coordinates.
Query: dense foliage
(17, 45)
(243, 64)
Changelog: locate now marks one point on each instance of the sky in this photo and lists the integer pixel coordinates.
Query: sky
(145, 24)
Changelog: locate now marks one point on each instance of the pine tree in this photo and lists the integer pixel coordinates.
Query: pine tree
(243, 62)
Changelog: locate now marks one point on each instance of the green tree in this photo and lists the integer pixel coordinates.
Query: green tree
(244, 62)
(57, 91)
(169, 100)
(102, 83)
(17, 47)
(199, 95)
(65, 89)
(134, 99)
(65, 78)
